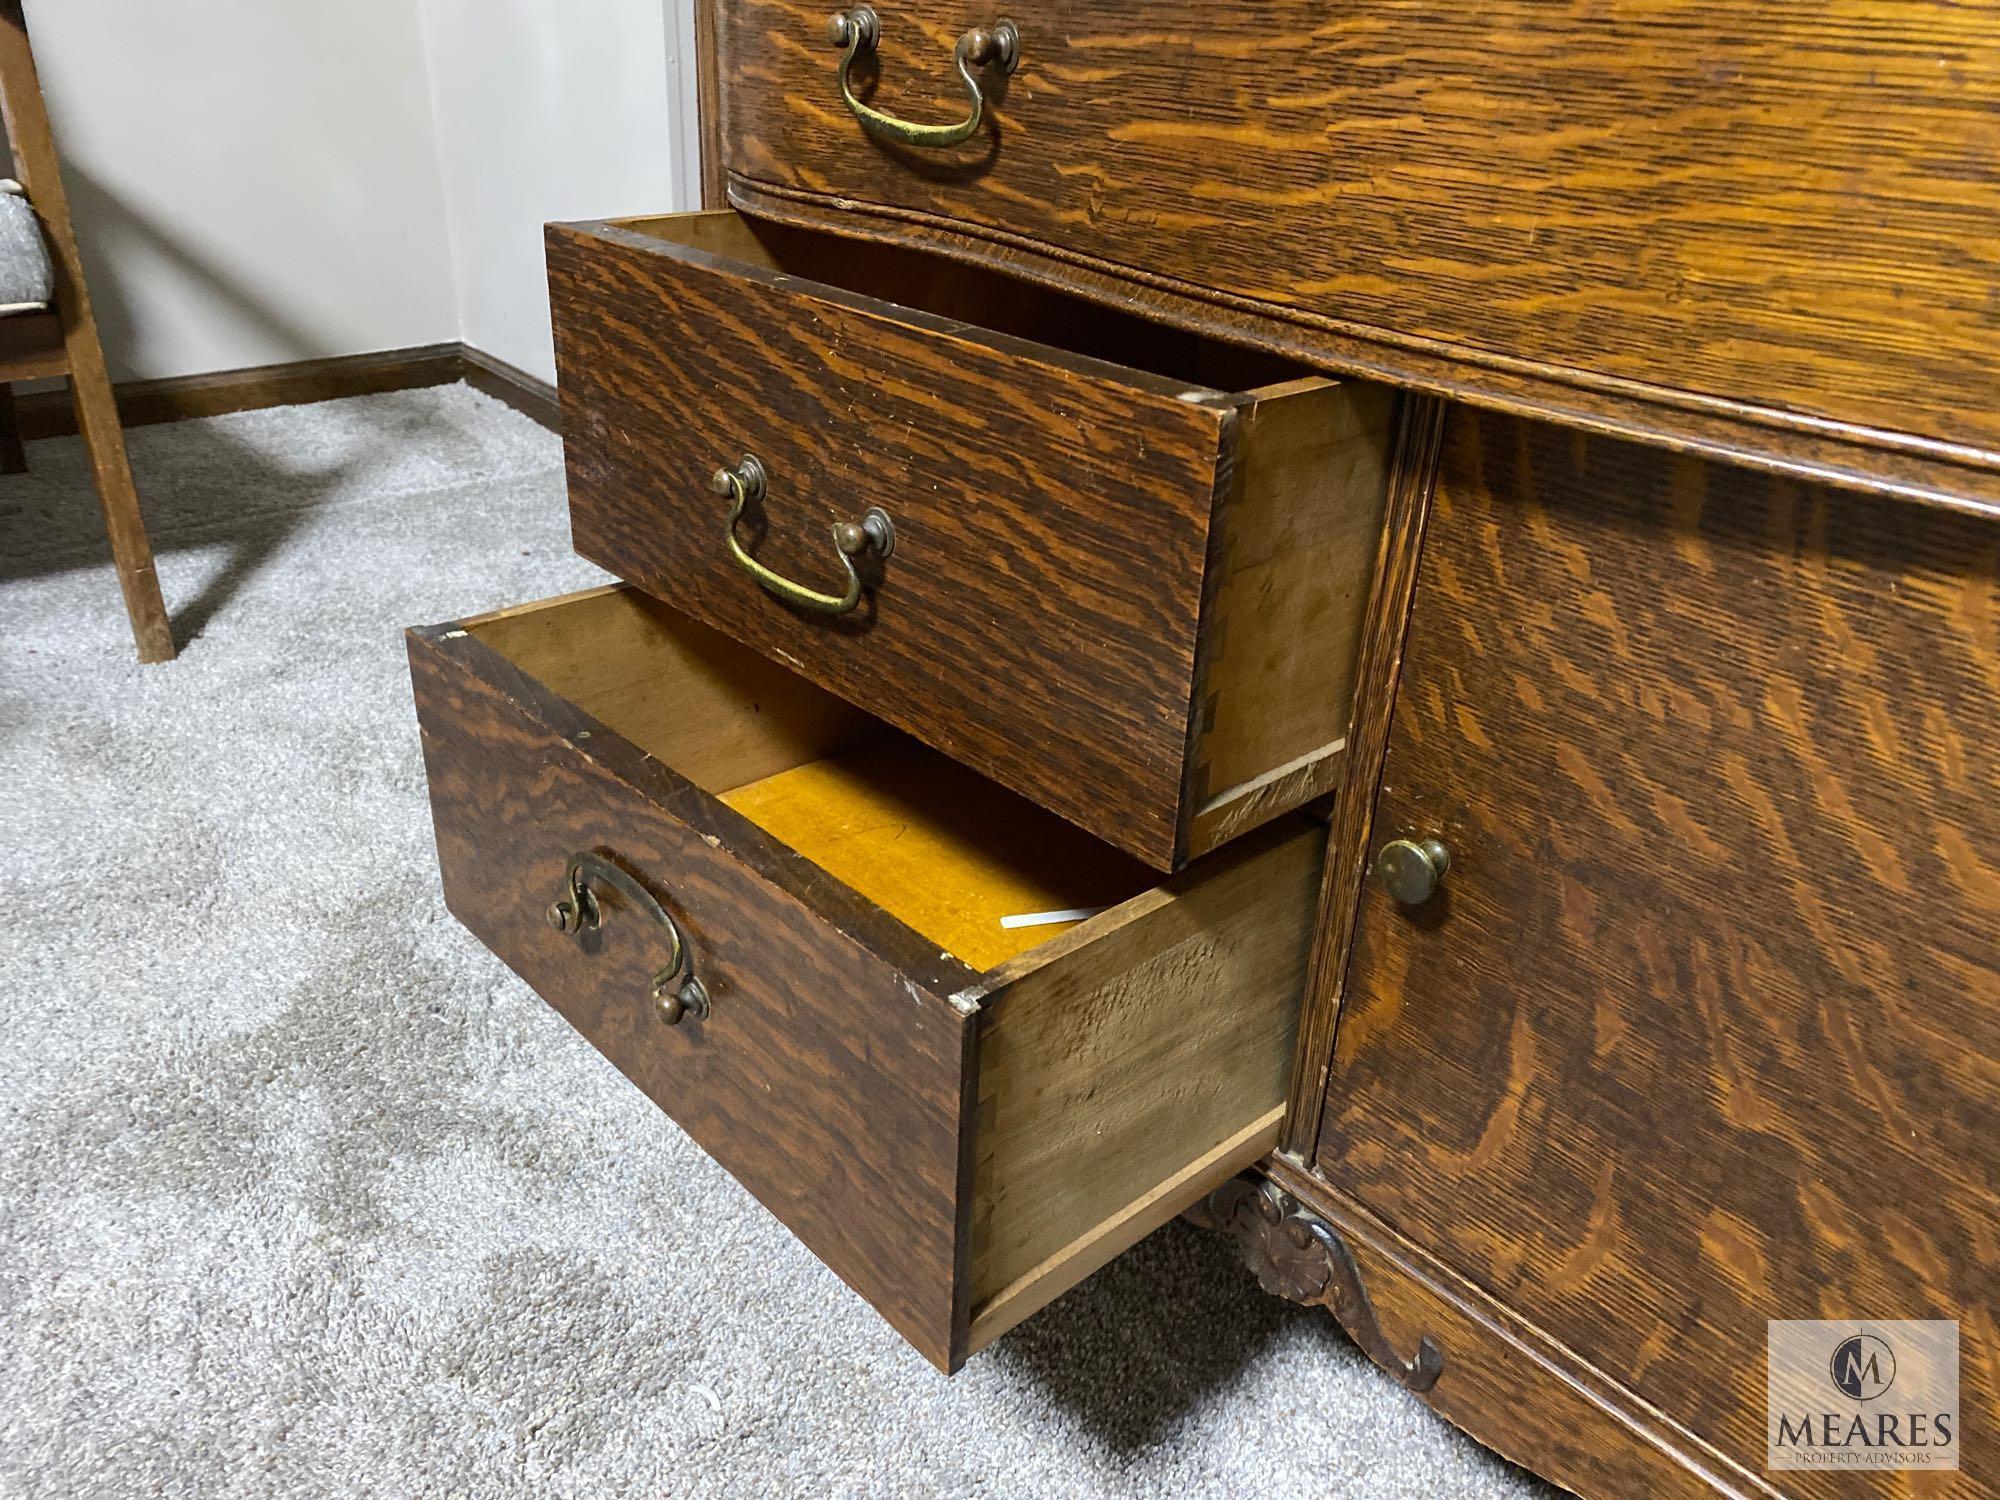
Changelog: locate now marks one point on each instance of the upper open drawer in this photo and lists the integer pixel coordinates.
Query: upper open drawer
(1128, 590)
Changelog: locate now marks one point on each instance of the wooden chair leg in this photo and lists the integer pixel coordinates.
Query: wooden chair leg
(13, 455)
(104, 440)
(34, 150)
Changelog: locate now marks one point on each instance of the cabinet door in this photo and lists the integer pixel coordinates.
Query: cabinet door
(1701, 1026)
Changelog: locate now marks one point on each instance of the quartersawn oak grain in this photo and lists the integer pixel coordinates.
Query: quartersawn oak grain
(1129, 591)
(1765, 228)
(1701, 1029)
(815, 1106)
(959, 1144)
(1508, 1383)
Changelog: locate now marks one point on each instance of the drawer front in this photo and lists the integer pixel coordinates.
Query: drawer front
(1664, 193)
(1702, 1025)
(1037, 619)
(823, 1080)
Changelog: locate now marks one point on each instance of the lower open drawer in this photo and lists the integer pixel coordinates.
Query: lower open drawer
(782, 921)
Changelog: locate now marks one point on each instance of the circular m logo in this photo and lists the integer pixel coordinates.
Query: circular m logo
(1863, 1367)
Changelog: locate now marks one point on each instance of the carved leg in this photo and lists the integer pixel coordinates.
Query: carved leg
(1298, 1256)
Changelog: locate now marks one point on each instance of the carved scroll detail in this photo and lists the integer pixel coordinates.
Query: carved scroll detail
(1299, 1256)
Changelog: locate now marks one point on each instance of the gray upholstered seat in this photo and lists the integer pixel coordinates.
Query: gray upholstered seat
(27, 280)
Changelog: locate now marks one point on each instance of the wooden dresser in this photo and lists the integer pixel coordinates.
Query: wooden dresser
(1469, 537)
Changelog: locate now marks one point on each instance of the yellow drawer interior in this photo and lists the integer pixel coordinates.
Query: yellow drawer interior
(939, 846)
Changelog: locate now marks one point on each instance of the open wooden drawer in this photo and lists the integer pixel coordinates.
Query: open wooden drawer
(962, 1119)
(1116, 567)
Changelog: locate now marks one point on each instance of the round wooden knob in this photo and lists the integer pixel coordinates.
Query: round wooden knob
(1410, 869)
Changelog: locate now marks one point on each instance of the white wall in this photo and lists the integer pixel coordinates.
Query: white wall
(549, 109)
(260, 181)
(254, 181)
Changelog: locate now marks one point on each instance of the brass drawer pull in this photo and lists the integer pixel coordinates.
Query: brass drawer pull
(874, 532)
(857, 31)
(676, 992)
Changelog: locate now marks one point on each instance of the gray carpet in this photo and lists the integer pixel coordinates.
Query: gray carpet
(305, 1194)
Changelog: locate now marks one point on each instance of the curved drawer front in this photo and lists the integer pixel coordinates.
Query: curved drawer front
(1754, 201)
(960, 1138)
(1131, 594)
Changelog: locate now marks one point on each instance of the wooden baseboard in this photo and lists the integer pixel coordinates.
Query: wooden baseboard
(527, 394)
(44, 414)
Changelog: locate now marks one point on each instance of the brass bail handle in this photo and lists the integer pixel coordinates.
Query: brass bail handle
(857, 31)
(676, 992)
(873, 533)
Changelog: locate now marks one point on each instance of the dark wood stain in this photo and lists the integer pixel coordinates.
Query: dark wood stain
(830, 1079)
(530, 395)
(1700, 1030)
(1756, 229)
(177, 398)
(1038, 621)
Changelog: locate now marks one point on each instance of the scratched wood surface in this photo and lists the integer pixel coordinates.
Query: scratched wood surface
(1704, 1026)
(1072, 535)
(959, 1145)
(829, 1077)
(1781, 204)
(1038, 618)
(1508, 1384)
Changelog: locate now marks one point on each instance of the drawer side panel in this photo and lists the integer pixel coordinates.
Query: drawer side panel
(1152, 1056)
